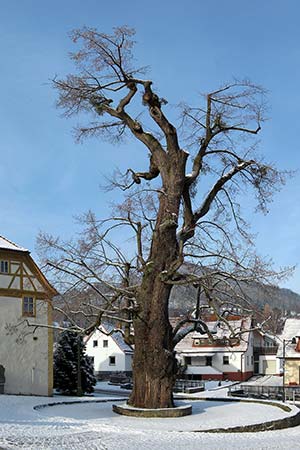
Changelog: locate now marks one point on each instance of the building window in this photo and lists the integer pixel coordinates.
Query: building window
(225, 360)
(95, 343)
(188, 360)
(105, 343)
(92, 359)
(112, 360)
(209, 360)
(28, 306)
(251, 359)
(4, 266)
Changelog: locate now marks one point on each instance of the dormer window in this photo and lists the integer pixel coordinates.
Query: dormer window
(3, 266)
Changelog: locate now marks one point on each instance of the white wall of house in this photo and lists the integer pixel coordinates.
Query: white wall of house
(128, 362)
(268, 365)
(108, 356)
(220, 359)
(227, 361)
(24, 356)
(248, 363)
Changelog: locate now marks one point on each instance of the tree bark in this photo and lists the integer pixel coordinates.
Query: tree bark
(154, 362)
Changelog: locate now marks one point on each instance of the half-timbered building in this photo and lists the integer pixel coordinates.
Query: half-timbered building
(26, 342)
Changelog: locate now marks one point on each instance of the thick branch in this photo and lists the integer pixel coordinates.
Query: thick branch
(203, 210)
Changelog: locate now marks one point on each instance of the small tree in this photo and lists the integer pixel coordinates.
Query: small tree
(68, 357)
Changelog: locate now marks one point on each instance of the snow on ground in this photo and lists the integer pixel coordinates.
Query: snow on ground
(212, 414)
(266, 380)
(216, 384)
(94, 426)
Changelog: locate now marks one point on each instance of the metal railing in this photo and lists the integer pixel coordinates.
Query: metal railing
(272, 392)
(188, 385)
(291, 393)
(265, 350)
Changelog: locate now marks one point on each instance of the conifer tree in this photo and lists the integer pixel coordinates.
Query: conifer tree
(69, 355)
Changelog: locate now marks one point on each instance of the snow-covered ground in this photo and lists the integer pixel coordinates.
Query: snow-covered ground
(93, 425)
(209, 385)
(267, 380)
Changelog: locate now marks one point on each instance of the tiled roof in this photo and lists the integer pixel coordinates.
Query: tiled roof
(219, 330)
(9, 245)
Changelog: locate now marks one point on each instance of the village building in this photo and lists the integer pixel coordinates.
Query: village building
(228, 355)
(109, 353)
(26, 352)
(265, 347)
(289, 352)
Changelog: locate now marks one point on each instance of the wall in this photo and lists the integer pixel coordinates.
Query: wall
(271, 360)
(25, 359)
(240, 367)
(101, 354)
(292, 367)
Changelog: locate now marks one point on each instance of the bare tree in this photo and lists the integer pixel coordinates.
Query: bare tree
(186, 205)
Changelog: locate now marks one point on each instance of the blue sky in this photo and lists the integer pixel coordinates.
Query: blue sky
(191, 47)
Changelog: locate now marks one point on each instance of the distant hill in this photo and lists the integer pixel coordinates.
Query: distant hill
(183, 298)
(183, 301)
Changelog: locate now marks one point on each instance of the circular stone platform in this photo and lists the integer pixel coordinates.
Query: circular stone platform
(177, 411)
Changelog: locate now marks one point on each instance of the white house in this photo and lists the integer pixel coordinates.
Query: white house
(109, 352)
(265, 348)
(223, 357)
(25, 298)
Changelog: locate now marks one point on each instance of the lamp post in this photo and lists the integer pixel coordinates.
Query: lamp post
(285, 343)
(283, 369)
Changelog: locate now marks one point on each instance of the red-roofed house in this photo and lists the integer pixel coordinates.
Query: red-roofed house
(228, 356)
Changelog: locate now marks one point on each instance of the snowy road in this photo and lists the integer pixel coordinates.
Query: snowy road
(94, 426)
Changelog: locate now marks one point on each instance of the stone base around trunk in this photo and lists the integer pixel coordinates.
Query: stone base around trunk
(177, 411)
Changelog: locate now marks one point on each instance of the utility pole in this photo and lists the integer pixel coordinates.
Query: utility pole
(283, 368)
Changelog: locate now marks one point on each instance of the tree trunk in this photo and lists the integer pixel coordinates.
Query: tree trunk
(154, 362)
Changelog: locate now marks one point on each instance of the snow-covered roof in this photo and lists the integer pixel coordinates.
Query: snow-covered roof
(6, 244)
(291, 330)
(219, 331)
(117, 337)
(202, 370)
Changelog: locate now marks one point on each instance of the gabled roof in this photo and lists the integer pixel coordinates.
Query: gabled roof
(291, 330)
(117, 337)
(219, 331)
(6, 244)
